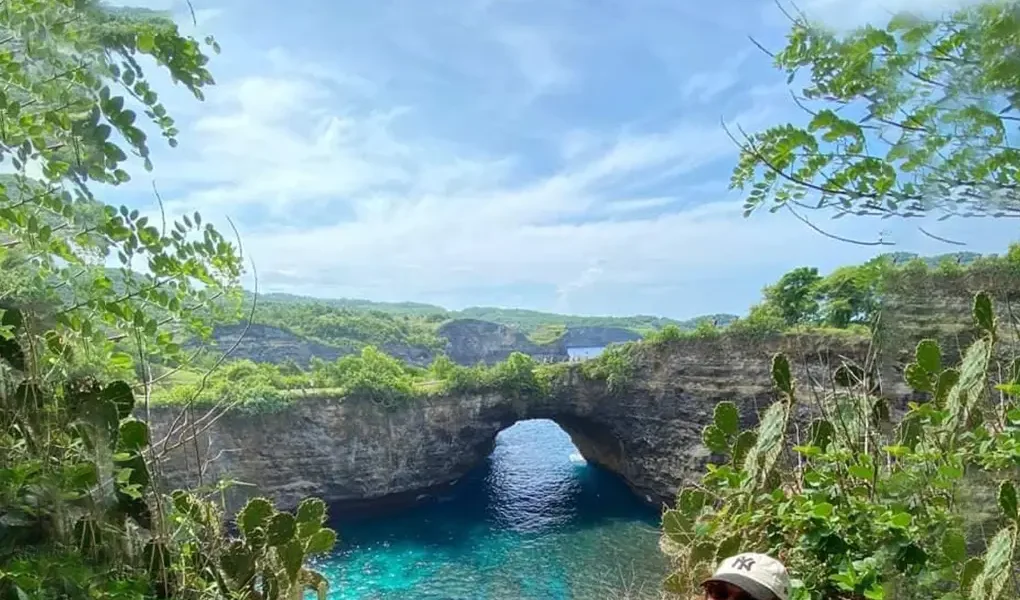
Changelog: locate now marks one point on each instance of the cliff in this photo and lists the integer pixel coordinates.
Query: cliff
(468, 342)
(353, 452)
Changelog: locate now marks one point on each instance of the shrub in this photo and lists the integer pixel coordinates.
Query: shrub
(615, 366)
(81, 517)
(859, 507)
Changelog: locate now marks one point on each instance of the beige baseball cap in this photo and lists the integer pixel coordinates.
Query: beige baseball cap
(757, 574)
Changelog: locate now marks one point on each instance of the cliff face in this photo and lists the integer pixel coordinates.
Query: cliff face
(594, 337)
(470, 341)
(353, 452)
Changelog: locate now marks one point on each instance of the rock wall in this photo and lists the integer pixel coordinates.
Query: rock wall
(355, 453)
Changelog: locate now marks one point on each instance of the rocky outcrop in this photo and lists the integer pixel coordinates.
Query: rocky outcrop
(354, 452)
(265, 343)
(268, 344)
(470, 341)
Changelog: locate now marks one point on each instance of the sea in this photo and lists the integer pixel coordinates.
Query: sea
(534, 522)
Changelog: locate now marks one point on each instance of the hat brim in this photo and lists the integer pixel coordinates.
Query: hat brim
(757, 590)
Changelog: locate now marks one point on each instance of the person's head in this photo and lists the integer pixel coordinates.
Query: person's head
(748, 576)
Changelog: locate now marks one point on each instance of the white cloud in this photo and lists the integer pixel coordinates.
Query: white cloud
(341, 186)
(536, 57)
(705, 86)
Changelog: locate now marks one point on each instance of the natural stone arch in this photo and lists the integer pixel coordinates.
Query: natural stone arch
(354, 452)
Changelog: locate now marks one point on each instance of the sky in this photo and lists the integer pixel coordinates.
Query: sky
(562, 155)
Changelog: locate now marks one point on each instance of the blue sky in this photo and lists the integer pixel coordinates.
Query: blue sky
(557, 155)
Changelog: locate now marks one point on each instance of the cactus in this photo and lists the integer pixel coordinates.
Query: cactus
(320, 542)
(281, 529)
(983, 313)
(274, 547)
(744, 442)
(310, 515)
(727, 418)
(255, 514)
(292, 555)
(715, 439)
(718, 436)
(781, 377)
(238, 564)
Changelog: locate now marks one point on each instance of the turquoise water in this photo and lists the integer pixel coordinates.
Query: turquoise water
(534, 523)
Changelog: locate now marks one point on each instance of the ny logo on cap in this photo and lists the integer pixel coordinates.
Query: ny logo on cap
(743, 563)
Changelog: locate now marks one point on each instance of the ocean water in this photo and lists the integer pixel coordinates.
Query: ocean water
(580, 353)
(533, 523)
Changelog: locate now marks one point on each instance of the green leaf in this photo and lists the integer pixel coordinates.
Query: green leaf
(901, 520)
(917, 378)
(862, 471)
(983, 313)
(281, 529)
(146, 42)
(781, 377)
(134, 435)
(256, 513)
(1008, 501)
(715, 440)
(322, 541)
(929, 356)
(727, 418)
(292, 555)
(119, 393)
(121, 361)
(677, 526)
(822, 509)
(971, 569)
(954, 546)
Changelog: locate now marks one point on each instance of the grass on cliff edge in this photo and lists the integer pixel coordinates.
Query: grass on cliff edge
(370, 375)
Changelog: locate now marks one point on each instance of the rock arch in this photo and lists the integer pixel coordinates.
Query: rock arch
(353, 452)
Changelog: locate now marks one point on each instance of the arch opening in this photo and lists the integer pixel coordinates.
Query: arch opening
(537, 478)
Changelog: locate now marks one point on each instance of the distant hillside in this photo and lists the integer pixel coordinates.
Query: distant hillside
(292, 327)
(530, 321)
(395, 308)
(526, 321)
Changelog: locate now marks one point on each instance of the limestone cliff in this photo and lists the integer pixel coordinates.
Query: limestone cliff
(353, 452)
(468, 342)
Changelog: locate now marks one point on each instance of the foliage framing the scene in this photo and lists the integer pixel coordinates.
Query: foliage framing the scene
(859, 506)
(81, 511)
(918, 117)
